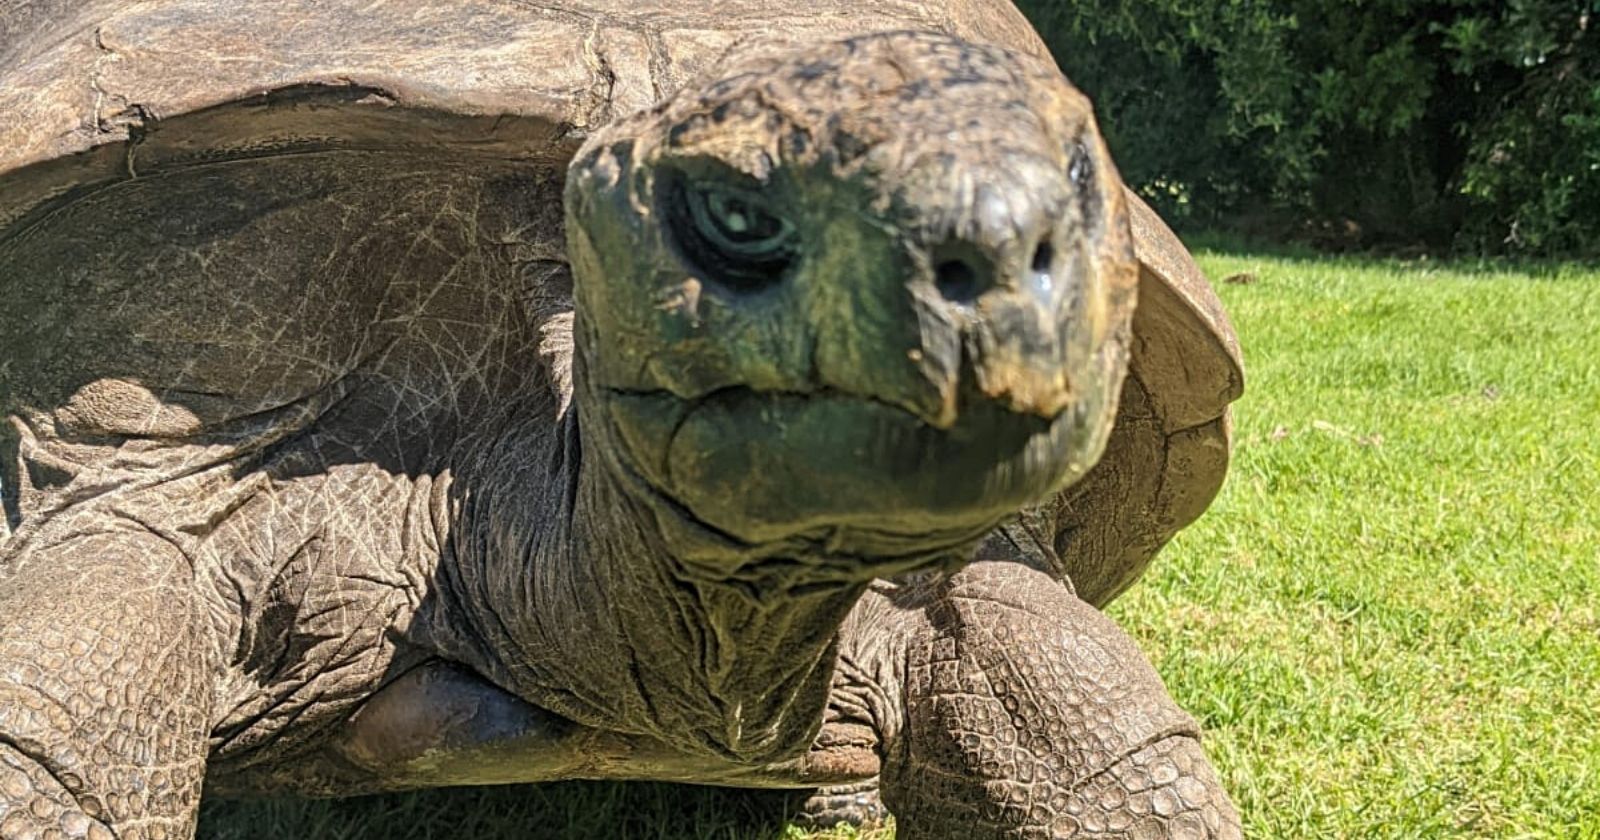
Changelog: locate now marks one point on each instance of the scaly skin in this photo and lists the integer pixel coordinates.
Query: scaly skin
(1030, 715)
(105, 698)
(1004, 707)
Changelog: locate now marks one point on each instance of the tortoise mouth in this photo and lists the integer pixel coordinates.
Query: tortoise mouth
(867, 476)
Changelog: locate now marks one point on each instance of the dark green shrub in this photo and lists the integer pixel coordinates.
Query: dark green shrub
(1464, 123)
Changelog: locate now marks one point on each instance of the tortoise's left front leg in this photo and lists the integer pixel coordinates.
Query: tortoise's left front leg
(106, 689)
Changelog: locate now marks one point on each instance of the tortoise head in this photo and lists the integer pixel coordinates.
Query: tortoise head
(870, 297)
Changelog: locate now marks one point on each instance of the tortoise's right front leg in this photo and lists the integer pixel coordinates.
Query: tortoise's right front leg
(106, 690)
(1028, 715)
(1004, 708)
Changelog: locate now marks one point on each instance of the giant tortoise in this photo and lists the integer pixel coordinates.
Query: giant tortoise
(406, 393)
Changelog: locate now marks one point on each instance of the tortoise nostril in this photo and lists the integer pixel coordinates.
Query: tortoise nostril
(1043, 258)
(962, 272)
(957, 280)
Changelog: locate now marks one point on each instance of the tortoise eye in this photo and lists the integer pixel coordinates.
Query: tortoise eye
(731, 234)
(738, 222)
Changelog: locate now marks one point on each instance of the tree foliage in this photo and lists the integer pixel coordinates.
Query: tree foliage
(1472, 124)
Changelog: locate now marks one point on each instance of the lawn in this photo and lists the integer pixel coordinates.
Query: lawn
(1389, 622)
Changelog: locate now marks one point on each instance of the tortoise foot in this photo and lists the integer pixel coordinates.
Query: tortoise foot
(857, 805)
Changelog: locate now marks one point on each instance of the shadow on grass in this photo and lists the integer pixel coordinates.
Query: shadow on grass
(563, 811)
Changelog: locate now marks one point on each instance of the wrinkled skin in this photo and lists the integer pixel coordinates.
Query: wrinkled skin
(492, 509)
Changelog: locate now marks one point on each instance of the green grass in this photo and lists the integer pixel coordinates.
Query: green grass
(1389, 622)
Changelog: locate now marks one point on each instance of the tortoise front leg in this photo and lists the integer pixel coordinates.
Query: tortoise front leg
(105, 690)
(1009, 709)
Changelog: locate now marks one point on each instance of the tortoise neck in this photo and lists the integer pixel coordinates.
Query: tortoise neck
(576, 601)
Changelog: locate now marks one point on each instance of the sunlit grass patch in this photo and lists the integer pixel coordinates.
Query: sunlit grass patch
(1397, 590)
